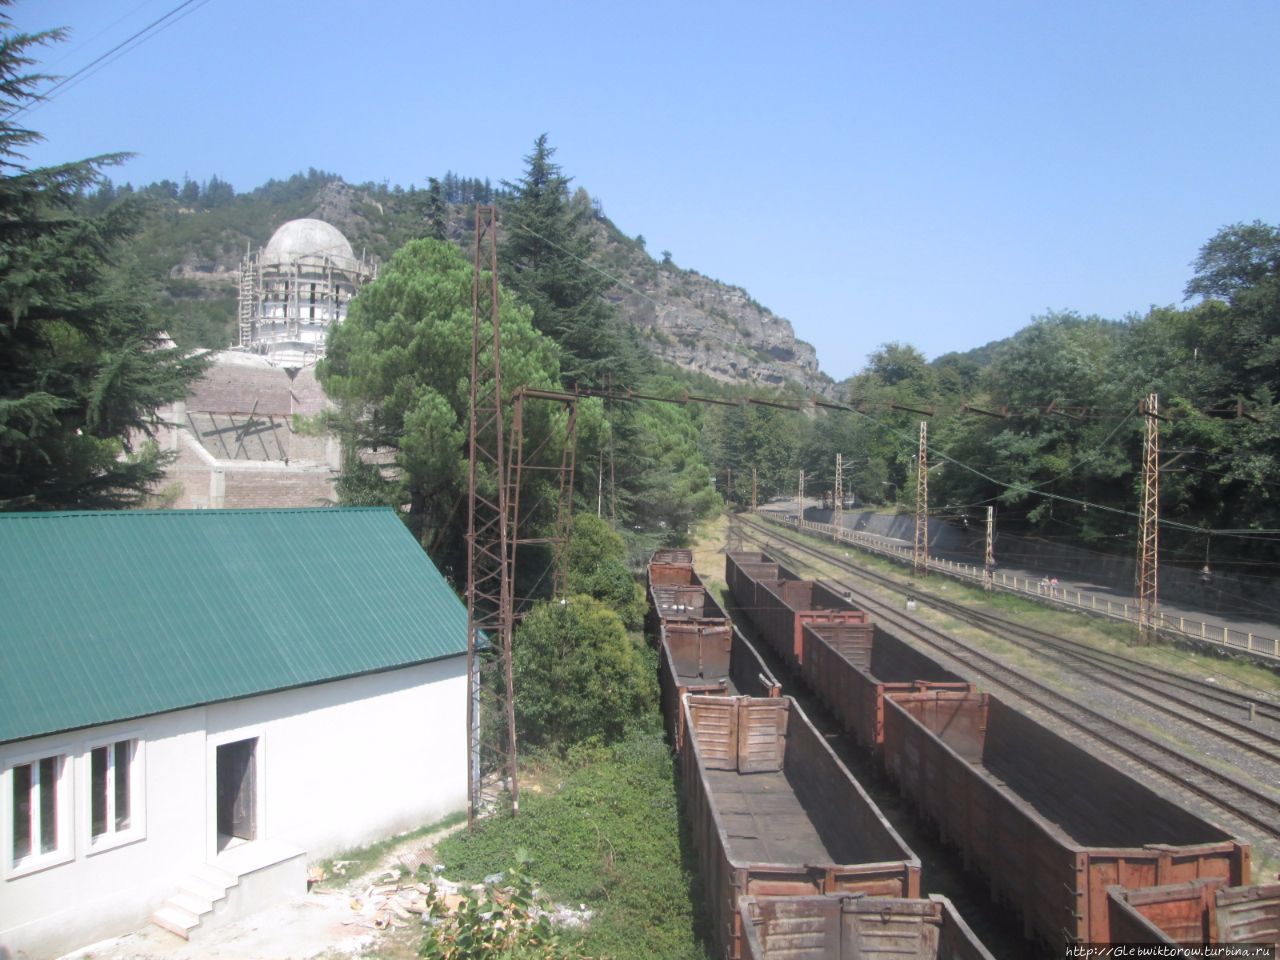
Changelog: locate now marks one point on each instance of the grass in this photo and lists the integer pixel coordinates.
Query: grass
(603, 829)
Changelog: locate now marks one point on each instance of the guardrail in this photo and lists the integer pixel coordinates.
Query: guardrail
(1211, 633)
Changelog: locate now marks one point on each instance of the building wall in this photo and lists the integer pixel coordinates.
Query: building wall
(340, 764)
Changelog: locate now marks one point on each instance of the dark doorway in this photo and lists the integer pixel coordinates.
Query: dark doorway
(237, 792)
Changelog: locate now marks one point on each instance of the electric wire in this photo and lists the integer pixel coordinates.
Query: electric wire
(134, 41)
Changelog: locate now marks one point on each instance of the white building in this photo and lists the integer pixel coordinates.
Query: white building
(195, 704)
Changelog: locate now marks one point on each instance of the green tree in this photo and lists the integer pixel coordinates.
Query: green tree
(579, 674)
(598, 568)
(435, 211)
(399, 369)
(545, 259)
(83, 364)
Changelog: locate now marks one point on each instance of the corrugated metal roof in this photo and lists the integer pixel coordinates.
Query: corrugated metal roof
(116, 614)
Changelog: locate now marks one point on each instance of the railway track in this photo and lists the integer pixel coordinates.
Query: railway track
(1241, 801)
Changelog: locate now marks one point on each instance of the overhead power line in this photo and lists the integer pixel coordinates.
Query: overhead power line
(154, 28)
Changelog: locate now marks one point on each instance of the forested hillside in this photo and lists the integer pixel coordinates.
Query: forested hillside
(1046, 424)
(196, 234)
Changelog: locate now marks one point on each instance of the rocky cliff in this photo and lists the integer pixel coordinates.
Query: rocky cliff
(687, 319)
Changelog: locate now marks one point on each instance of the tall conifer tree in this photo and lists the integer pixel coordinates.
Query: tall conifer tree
(83, 367)
(546, 248)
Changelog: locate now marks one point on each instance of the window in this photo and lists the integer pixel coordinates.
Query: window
(110, 788)
(39, 828)
(113, 771)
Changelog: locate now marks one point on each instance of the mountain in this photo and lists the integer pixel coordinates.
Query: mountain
(194, 240)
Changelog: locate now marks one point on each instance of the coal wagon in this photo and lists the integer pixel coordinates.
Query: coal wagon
(773, 812)
(855, 928)
(1050, 825)
(1198, 912)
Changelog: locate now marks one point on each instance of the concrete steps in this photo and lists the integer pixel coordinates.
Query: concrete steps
(199, 896)
(241, 881)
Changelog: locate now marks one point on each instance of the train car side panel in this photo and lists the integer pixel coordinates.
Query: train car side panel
(846, 928)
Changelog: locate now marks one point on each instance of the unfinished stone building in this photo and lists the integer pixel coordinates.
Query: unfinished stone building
(246, 436)
(294, 288)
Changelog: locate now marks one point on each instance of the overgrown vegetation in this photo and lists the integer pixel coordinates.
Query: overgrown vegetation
(581, 676)
(601, 828)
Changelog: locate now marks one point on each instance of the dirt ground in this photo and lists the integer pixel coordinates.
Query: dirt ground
(334, 921)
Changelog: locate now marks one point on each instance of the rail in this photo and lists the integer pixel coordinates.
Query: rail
(1223, 637)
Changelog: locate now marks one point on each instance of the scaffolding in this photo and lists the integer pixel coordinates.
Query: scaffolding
(293, 289)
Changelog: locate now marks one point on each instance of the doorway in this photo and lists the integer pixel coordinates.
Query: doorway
(237, 792)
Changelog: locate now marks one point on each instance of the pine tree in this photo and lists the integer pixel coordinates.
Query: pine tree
(435, 212)
(83, 368)
(545, 251)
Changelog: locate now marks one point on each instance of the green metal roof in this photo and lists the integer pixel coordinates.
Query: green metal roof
(116, 614)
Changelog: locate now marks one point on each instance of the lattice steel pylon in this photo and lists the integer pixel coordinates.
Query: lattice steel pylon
(837, 496)
(520, 461)
(1149, 528)
(491, 749)
(989, 557)
(920, 552)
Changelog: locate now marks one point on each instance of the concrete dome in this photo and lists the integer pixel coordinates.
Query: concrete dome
(307, 239)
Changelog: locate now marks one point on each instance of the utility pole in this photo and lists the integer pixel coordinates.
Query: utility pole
(989, 560)
(728, 485)
(489, 582)
(800, 502)
(600, 486)
(920, 555)
(1149, 532)
(754, 491)
(837, 496)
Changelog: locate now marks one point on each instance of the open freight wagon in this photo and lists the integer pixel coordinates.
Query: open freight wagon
(1049, 824)
(780, 609)
(852, 675)
(707, 657)
(676, 592)
(1202, 911)
(855, 928)
(773, 812)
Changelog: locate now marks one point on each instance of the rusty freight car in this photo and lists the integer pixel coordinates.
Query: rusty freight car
(855, 928)
(676, 592)
(670, 566)
(1198, 912)
(1049, 824)
(774, 812)
(704, 654)
(780, 608)
(852, 676)
(743, 570)
(712, 659)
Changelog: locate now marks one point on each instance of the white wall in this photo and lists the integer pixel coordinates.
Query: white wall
(341, 764)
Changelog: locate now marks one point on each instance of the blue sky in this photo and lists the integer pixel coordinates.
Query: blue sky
(934, 173)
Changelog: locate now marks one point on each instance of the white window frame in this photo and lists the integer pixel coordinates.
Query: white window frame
(137, 829)
(64, 806)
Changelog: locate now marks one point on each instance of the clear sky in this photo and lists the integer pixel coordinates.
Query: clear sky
(935, 173)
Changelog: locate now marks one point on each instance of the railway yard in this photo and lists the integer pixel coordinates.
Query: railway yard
(1057, 788)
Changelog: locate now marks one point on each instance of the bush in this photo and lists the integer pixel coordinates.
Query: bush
(579, 674)
(598, 567)
(604, 831)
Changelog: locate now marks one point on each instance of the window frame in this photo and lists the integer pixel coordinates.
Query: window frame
(137, 829)
(63, 811)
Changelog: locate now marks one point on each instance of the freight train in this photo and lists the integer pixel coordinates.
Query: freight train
(796, 859)
(1050, 825)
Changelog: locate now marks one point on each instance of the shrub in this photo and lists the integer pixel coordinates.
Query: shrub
(578, 673)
